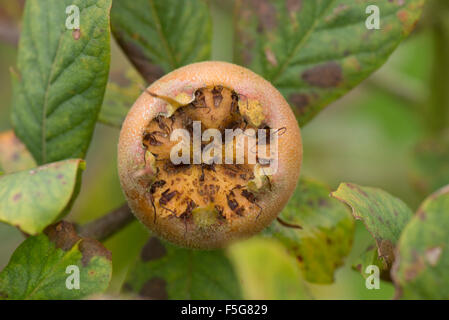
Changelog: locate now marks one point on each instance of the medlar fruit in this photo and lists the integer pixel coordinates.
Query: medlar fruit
(183, 181)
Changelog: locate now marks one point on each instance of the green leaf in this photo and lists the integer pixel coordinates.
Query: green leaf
(316, 51)
(368, 258)
(33, 199)
(14, 156)
(161, 35)
(164, 271)
(266, 271)
(326, 234)
(61, 78)
(118, 100)
(430, 169)
(384, 216)
(420, 270)
(38, 269)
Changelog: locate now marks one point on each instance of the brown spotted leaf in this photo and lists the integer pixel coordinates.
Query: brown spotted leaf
(164, 271)
(47, 266)
(14, 156)
(33, 199)
(422, 257)
(161, 35)
(316, 229)
(316, 51)
(384, 216)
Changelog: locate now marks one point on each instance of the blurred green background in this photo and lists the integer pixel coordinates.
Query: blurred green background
(367, 138)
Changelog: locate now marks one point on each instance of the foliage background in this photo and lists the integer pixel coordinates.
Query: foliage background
(367, 138)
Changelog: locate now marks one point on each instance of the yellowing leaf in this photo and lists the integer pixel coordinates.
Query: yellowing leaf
(33, 199)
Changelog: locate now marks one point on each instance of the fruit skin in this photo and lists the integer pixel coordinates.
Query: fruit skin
(131, 153)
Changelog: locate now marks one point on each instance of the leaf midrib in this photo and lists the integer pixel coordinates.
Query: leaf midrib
(301, 43)
(43, 277)
(44, 107)
(162, 36)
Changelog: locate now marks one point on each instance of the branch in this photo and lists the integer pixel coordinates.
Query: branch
(9, 33)
(106, 226)
(401, 86)
(438, 106)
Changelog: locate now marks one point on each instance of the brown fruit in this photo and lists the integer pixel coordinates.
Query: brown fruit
(207, 205)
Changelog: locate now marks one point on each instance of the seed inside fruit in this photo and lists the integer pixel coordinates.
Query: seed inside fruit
(207, 193)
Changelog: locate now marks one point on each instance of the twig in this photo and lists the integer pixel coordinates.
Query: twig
(9, 33)
(401, 86)
(106, 226)
(287, 224)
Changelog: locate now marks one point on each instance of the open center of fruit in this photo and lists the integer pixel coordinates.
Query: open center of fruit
(196, 151)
